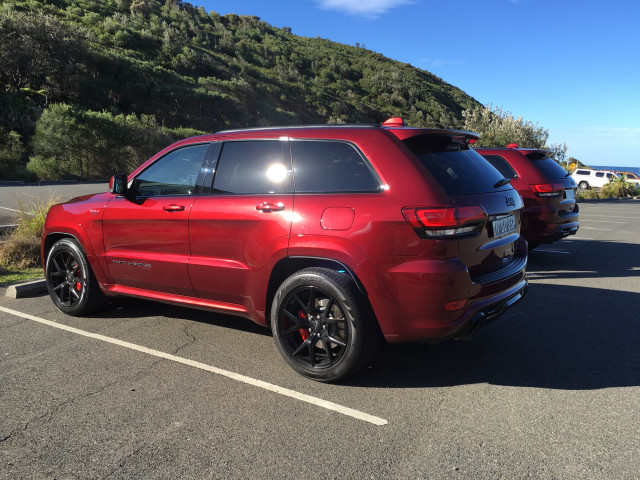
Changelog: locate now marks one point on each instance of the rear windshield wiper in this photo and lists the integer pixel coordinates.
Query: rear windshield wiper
(501, 183)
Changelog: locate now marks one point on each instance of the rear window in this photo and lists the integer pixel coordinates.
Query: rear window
(501, 165)
(459, 169)
(253, 167)
(550, 168)
(324, 166)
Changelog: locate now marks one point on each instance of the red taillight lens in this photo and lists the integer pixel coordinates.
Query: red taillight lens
(547, 189)
(430, 222)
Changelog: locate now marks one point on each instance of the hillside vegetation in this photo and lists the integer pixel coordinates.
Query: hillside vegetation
(88, 88)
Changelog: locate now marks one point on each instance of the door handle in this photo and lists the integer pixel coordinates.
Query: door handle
(270, 207)
(173, 208)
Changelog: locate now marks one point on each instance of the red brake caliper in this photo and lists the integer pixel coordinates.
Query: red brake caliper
(304, 333)
(78, 284)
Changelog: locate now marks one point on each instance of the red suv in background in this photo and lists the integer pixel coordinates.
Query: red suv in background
(333, 235)
(550, 209)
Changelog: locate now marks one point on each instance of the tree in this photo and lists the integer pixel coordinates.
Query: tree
(498, 128)
(70, 142)
(559, 151)
(11, 152)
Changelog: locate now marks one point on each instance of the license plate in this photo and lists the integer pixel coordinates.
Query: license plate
(569, 194)
(504, 225)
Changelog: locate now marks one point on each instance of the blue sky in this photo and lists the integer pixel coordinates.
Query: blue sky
(571, 66)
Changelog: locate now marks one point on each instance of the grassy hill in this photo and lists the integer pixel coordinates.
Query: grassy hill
(101, 74)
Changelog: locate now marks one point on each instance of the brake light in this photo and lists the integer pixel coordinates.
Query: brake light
(442, 222)
(393, 122)
(547, 189)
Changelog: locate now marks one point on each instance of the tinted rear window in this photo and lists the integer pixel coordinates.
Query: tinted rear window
(252, 167)
(550, 168)
(501, 165)
(330, 166)
(460, 170)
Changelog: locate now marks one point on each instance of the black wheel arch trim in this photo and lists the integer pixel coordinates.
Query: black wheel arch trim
(346, 268)
(290, 264)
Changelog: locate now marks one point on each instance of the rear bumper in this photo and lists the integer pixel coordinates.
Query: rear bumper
(409, 299)
(547, 225)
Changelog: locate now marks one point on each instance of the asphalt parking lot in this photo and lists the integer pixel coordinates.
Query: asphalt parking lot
(14, 198)
(142, 390)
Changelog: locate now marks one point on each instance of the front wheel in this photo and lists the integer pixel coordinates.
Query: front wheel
(70, 281)
(583, 185)
(322, 326)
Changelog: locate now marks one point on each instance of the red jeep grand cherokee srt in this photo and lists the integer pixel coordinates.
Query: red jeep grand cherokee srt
(548, 191)
(333, 235)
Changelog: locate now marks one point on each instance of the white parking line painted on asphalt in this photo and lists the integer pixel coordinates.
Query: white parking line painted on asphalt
(203, 366)
(544, 250)
(594, 228)
(600, 221)
(11, 209)
(582, 215)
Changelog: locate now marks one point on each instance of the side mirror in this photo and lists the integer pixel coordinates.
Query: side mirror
(118, 184)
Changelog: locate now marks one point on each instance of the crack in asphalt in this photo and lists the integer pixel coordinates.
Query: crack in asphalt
(191, 339)
(49, 414)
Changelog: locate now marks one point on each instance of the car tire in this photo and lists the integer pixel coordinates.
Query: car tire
(583, 185)
(70, 281)
(323, 326)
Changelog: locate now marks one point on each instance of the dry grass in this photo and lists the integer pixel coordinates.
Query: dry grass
(22, 248)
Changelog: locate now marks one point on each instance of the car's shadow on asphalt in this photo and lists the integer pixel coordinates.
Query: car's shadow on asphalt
(559, 336)
(133, 308)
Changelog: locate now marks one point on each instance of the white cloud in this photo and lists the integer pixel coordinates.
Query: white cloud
(364, 8)
(438, 62)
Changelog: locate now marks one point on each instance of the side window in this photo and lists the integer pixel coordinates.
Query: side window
(174, 174)
(610, 175)
(582, 172)
(500, 164)
(257, 166)
(331, 166)
(599, 174)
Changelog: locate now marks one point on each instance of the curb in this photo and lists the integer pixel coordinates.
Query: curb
(27, 289)
(615, 199)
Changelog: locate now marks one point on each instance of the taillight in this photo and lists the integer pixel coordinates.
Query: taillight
(547, 189)
(439, 222)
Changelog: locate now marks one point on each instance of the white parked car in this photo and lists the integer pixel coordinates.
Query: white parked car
(586, 178)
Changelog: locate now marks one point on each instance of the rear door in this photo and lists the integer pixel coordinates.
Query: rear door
(240, 228)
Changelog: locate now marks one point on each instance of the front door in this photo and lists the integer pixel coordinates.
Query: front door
(146, 233)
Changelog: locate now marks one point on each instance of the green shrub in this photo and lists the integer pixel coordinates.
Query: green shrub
(618, 188)
(587, 195)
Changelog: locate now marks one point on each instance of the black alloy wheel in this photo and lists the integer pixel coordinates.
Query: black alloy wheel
(322, 326)
(314, 327)
(70, 281)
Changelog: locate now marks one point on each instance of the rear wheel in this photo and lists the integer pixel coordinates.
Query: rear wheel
(322, 326)
(70, 281)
